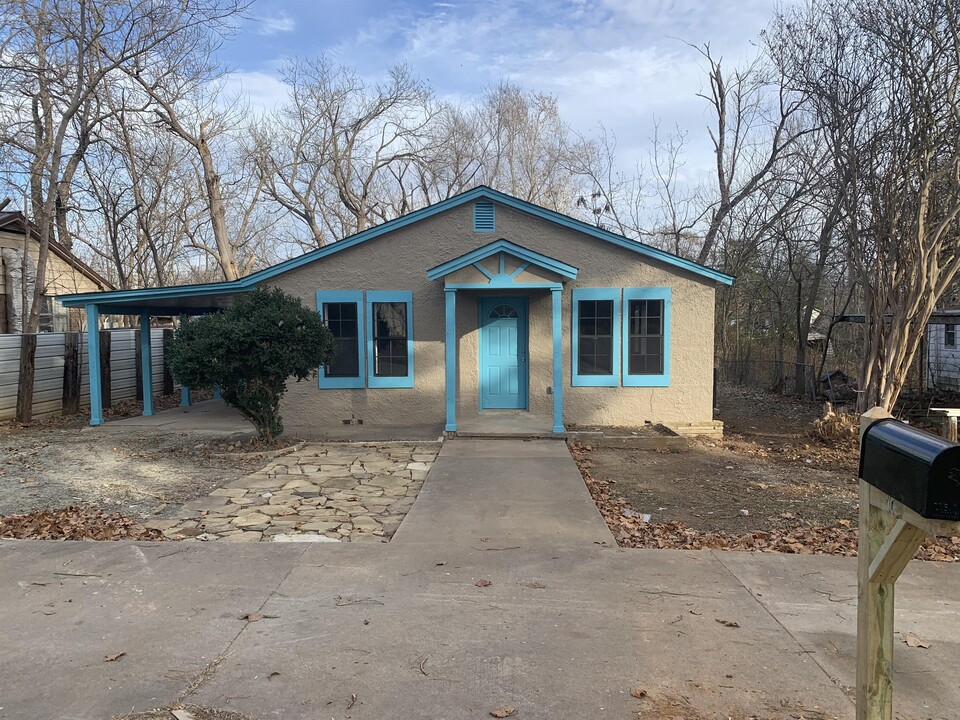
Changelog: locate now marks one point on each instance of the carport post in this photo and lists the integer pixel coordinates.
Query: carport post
(557, 296)
(93, 364)
(146, 364)
(450, 341)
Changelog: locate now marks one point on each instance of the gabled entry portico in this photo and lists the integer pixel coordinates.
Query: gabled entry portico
(500, 278)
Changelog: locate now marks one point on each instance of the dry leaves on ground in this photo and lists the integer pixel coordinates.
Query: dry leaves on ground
(75, 522)
(113, 657)
(801, 538)
(913, 641)
(483, 583)
(503, 712)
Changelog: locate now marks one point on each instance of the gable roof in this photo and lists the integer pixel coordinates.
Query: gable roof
(16, 222)
(481, 192)
(498, 246)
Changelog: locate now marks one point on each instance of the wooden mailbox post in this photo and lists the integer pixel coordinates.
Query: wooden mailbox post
(890, 534)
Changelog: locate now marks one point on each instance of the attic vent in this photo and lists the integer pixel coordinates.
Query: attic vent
(483, 218)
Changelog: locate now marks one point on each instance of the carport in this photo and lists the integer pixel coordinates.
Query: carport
(183, 300)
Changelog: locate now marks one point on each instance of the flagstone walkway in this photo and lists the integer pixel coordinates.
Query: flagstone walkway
(323, 492)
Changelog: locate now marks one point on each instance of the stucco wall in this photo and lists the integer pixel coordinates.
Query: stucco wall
(399, 261)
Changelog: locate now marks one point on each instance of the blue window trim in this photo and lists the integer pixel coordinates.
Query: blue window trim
(376, 296)
(649, 293)
(344, 296)
(613, 379)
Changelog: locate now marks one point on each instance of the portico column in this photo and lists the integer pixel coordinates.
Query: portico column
(450, 342)
(146, 364)
(93, 364)
(556, 296)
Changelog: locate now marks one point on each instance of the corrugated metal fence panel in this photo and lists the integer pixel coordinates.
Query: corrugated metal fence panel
(123, 373)
(48, 378)
(48, 375)
(9, 373)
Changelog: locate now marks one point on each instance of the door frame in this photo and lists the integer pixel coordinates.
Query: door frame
(484, 303)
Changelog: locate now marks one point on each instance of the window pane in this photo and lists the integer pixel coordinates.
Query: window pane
(390, 320)
(390, 339)
(595, 342)
(645, 344)
(341, 318)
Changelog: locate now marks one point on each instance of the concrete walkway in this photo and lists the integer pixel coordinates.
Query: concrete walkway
(566, 628)
(512, 492)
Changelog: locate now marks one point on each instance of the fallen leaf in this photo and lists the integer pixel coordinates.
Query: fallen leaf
(728, 623)
(114, 656)
(251, 617)
(503, 712)
(534, 585)
(272, 675)
(485, 583)
(638, 693)
(913, 641)
(441, 564)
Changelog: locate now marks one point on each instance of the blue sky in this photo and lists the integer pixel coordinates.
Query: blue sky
(619, 62)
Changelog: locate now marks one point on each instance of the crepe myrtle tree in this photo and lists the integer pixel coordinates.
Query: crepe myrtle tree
(250, 350)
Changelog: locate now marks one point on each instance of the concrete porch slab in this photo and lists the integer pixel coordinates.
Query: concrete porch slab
(506, 424)
(210, 417)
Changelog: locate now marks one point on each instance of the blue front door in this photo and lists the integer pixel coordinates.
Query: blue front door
(503, 353)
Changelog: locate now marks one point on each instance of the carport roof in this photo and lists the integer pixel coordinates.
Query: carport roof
(178, 300)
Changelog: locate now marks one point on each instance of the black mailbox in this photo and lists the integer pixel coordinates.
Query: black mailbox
(919, 469)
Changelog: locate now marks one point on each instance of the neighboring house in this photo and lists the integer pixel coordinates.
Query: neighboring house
(483, 308)
(65, 274)
(943, 351)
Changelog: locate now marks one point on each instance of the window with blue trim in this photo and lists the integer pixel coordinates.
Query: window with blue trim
(389, 339)
(341, 311)
(596, 337)
(646, 337)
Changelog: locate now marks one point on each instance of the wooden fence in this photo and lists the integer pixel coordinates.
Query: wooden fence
(55, 366)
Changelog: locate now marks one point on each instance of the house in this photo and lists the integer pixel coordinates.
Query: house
(65, 274)
(482, 309)
(943, 352)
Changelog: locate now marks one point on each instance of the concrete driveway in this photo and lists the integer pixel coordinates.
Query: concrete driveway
(568, 626)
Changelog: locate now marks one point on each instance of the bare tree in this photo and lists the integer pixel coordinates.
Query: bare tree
(56, 58)
(885, 78)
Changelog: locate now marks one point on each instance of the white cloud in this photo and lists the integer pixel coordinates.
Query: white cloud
(262, 90)
(275, 25)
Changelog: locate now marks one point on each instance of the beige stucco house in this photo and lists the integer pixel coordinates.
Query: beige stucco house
(481, 311)
(65, 274)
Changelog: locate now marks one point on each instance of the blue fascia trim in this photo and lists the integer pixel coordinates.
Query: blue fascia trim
(613, 379)
(556, 298)
(502, 282)
(376, 296)
(450, 361)
(132, 297)
(650, 293)
(387, 227)
(248, 283)
(500, 246)
(601, 234)
(344, 296)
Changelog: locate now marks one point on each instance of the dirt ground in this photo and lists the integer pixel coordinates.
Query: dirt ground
(766, 473)
(56, 463)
